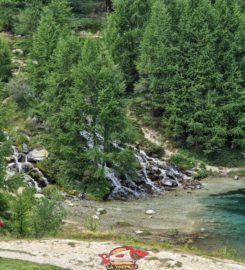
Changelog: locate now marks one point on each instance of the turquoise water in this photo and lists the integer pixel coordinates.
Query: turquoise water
(223, 218)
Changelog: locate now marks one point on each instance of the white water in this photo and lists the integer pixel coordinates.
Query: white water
(21, 164)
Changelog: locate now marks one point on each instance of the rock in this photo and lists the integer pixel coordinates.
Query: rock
(20, 190)
(139, 232)
(236, 177)
(69, 203)
(202, 230)
(39, 196)
(38, 155)
(95, 217)
(18, 51)
(25, 148)
(150, 212)
(101, 211)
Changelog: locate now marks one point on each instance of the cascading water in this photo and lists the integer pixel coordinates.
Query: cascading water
(155, 175)
(20, 164)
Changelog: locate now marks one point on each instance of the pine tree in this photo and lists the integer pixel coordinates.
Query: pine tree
(153, 63)
(123, 34)
(61, 111)
(100, 86)
(230, 55)
(60, 80)
(5, 60)
(54, 22)
(28, 18)
(198, 79)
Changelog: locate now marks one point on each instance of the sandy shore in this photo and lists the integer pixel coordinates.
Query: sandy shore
(77, 255)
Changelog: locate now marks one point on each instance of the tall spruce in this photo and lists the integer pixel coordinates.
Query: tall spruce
(230, 55)
(123, 34)
(5, 60)
(54, 22)
(100, 85)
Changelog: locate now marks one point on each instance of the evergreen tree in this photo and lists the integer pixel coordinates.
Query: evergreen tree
(100, 86)
(153, 62)
(198, 79)
(54, 22)
(63, 118)
(230, 55)
(28, 18)
(123, 34)
(5, 60)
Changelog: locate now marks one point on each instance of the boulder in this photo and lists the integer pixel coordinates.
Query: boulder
(236, 177)
(38, 155)
(69, 203)
(95, 217)
(39, 196)
(101, 211)
(150, 212)
(25, 148)
(139, 232)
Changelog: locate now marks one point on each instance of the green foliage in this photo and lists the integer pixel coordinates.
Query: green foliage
(192, 68)
(156, 150)
(19, 89)
(4, 205)
(14, 182)
(47, 216)
(91, 224)
(183, 160)
(96, 185)
(54, 22)
(8, 10)
(28, 17)
(21, 207)
(9, 264)
(5, 63)
(123, 34)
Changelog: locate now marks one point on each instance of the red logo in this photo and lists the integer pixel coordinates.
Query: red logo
(124, 257)
(2, 224)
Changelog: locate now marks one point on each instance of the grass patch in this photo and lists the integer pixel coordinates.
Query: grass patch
(78, 233)
(9, 264)
(240, 173)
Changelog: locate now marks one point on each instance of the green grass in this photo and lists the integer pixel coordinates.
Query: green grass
(9, 264)
(73, 232)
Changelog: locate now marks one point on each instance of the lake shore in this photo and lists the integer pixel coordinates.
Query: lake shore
(77, 255)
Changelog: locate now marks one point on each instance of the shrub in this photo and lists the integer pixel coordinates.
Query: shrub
(19, 89)
(47, 216)
(92, 224)
(156, 150)
(15, 182)
(5, 63)
(183, 160)
(21, 209)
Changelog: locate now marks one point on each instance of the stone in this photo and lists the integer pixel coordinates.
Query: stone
(150, 212)
(236, 177)
(95, 217)
(20, 190)
(38, 155)
(25, 148)
(139, 232)
(39, 196)
(101, 211)
(69, 203)
(202, 230)
(18, 51)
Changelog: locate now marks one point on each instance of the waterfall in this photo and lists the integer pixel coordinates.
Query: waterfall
(21, 164)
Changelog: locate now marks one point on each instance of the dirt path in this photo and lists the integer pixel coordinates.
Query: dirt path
(154, 136)
(81, 255)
